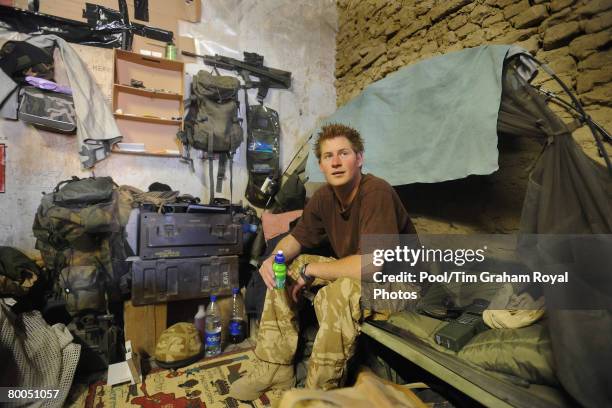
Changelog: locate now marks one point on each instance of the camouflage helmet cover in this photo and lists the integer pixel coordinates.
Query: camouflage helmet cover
(178, 345)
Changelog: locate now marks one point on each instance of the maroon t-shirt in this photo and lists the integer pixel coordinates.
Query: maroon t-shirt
(376, 209)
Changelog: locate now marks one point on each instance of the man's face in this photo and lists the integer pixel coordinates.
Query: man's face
(339, 162)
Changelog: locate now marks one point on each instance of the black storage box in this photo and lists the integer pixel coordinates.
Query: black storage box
(179, 235)
(166, 280)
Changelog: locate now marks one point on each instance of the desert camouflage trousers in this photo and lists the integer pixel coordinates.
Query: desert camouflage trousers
(337, 309)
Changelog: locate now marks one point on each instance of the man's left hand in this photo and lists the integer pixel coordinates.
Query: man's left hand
(296, 289)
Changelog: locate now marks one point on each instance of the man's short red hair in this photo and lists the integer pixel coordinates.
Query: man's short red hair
(336, 130)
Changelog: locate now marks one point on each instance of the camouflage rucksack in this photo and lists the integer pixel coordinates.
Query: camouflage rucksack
(80, 236)
(74, 213)
(212, 122)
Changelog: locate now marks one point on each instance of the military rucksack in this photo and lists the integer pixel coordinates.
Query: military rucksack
(75, 210)
(212, 122)
(80, 236)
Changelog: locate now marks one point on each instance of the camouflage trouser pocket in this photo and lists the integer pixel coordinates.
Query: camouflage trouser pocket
(83, 288)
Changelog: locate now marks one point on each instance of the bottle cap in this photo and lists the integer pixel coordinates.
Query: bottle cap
(279, 258)
(235, 291)
(213, 298)
(249, 228)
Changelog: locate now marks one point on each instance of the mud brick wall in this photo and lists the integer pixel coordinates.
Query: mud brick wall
(573, 37)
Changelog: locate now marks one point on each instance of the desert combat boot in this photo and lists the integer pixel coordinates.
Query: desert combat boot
(262, 377)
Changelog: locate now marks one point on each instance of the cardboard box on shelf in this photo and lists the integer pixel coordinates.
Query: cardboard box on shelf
(146, 46)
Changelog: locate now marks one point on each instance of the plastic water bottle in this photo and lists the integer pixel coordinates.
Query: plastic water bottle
(280, 270)
(248, 233)
(237, 324)
(199, 321)
(212, 341)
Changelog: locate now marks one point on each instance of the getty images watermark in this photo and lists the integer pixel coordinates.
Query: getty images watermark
(568, 269)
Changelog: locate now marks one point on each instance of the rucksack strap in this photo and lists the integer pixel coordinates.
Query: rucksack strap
(231, 162)
(61, 183)
(211, 158)
(211, 178)
(221, 172)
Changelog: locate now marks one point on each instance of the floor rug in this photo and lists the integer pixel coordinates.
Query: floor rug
(202, 384)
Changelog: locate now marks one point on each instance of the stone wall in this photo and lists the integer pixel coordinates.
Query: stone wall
(378, 37)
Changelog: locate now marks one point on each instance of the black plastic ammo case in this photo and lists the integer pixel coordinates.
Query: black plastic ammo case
(179, 235)
(166, 280)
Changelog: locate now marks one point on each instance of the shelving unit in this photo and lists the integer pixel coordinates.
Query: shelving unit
(146, 119)
(147, 93)
(149, 116)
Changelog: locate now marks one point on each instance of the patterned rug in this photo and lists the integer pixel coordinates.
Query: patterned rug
(202, 384)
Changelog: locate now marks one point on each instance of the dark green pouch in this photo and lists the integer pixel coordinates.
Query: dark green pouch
(82, 192)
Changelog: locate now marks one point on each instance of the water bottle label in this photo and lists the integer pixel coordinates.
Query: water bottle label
(280, 274)
(213, 339)
(235, 328)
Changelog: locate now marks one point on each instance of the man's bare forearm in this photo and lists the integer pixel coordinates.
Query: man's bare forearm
(347, 267)
(290, 247)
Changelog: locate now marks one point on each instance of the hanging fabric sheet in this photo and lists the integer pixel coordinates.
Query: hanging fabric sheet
(432, 121)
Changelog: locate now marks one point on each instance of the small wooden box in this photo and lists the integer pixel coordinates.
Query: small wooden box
(143, 325)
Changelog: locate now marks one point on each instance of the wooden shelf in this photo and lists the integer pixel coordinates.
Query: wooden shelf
(147, 119)
(142, 108)
(150, 61)
(146, 153)
(148, 93)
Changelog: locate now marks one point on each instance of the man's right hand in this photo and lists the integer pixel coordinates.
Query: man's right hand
(267, 274)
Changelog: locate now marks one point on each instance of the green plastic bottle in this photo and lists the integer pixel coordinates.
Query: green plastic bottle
(280, 270)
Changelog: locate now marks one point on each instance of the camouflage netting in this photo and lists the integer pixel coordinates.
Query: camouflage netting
(36, 355)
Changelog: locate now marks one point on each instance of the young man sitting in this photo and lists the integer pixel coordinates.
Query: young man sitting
(350, 206)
